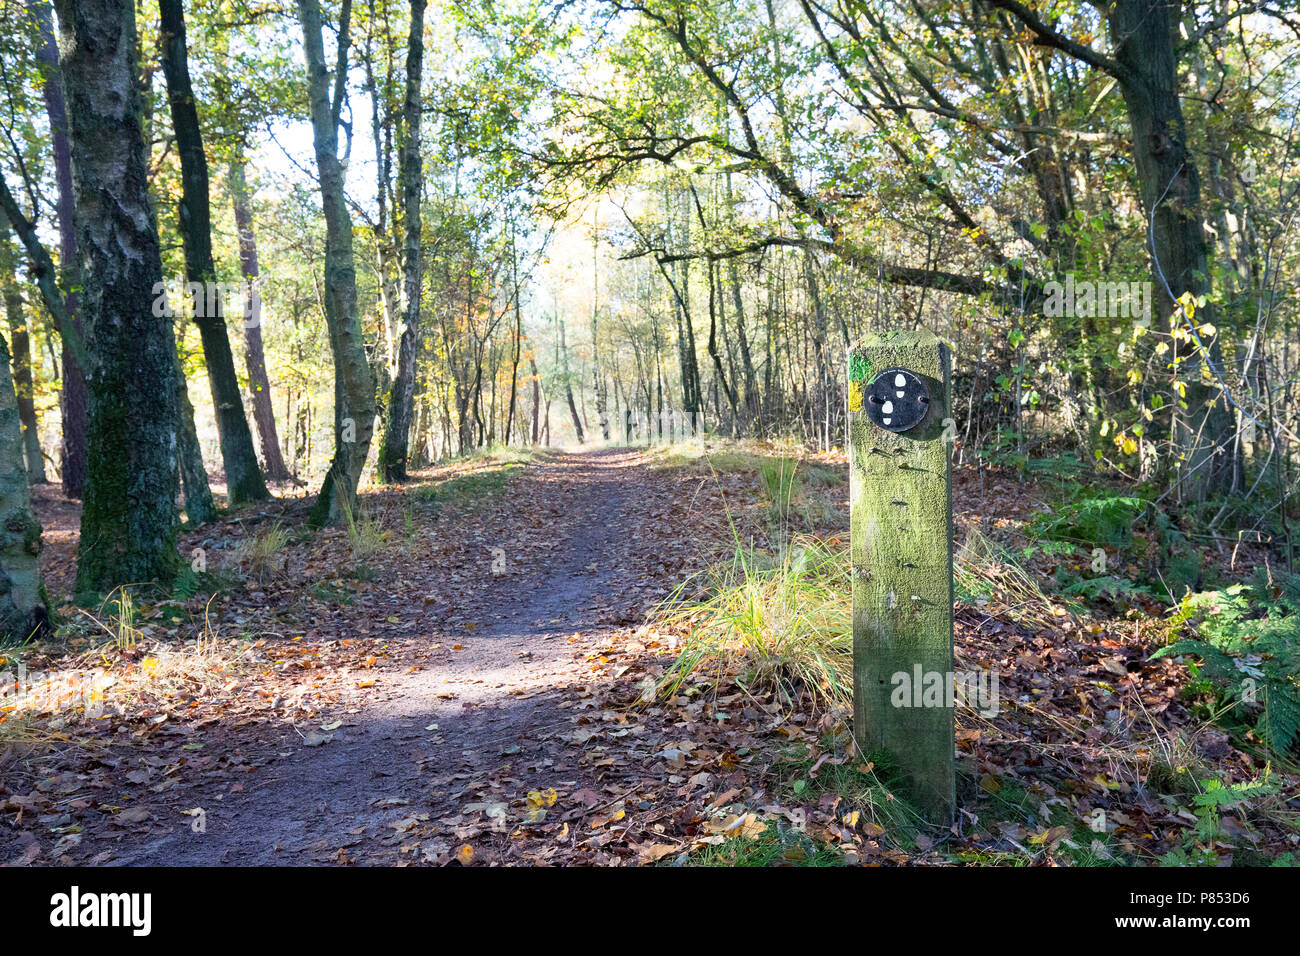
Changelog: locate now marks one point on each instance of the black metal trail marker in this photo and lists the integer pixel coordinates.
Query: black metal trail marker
(901, 519)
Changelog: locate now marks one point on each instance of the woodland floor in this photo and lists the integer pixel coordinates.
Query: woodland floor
(399, 702)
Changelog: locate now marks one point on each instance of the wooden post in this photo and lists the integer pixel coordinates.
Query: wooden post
(901, 519)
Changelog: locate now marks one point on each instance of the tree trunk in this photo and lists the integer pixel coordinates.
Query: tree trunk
(692, 392)
(568, 386)
(22, 358)
(715, 311)
(24, 387)
(199, 506)
(254, 356)
(597, 378)
(24, 614)
(73, 399)
(518, 336)
(354, 406)
(243, 479)
(395, 448)
(128, 520)
(537, 401)
(1143, 35)
(752, 399)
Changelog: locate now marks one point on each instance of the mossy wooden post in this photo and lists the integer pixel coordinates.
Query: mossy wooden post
(901, 501)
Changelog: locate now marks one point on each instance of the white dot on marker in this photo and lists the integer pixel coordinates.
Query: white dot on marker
(885, 420)
(899, 380)
(900, 394)
(887, 408)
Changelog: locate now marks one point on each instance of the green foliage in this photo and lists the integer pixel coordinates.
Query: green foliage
(822, 477)
(1053, 549)
(1004, 449)
(989, 576)
(1106, 587)
(802, 776)
(190, 583)
(867, 784)
(707, 457)
(1104, 521)
(332, 592)
(187, 584)
(1130, 530)
(1210, 801)
(470, 488)
(1068, 465)
(1010, 801)
(779, 845)
(1248, 645)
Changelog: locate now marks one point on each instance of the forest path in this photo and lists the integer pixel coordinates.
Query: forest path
(475, 702)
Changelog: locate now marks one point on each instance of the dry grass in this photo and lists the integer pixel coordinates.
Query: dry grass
(783, 621)
(989, 577)
(259, 556)
(168, 671)
(129, 672)
(707, 456)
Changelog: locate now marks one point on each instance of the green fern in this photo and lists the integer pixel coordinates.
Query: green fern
(1215, 665)
(187, 584)
(1279, 723)
(1214, 797)
(1098, 521)
(1091, 590)
(1249, 651)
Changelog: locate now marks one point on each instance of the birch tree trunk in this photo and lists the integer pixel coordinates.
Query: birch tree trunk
(22, 358)
(129, 519)
(395, 448)
(73, 399)
(354, 406)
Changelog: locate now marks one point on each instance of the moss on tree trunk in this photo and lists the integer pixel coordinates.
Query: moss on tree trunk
(23, 611)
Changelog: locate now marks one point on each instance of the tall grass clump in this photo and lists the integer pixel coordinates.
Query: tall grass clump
(258, 554)
(121, 626)
(783, 623)
(366, 534)
(778, 623)
(779, 479)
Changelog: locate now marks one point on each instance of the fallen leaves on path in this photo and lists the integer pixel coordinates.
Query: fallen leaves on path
(481, 691)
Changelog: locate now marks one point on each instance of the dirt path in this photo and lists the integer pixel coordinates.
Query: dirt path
(471, 693)
(339, 800)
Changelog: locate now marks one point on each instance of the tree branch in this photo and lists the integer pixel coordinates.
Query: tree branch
(1046, 36)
